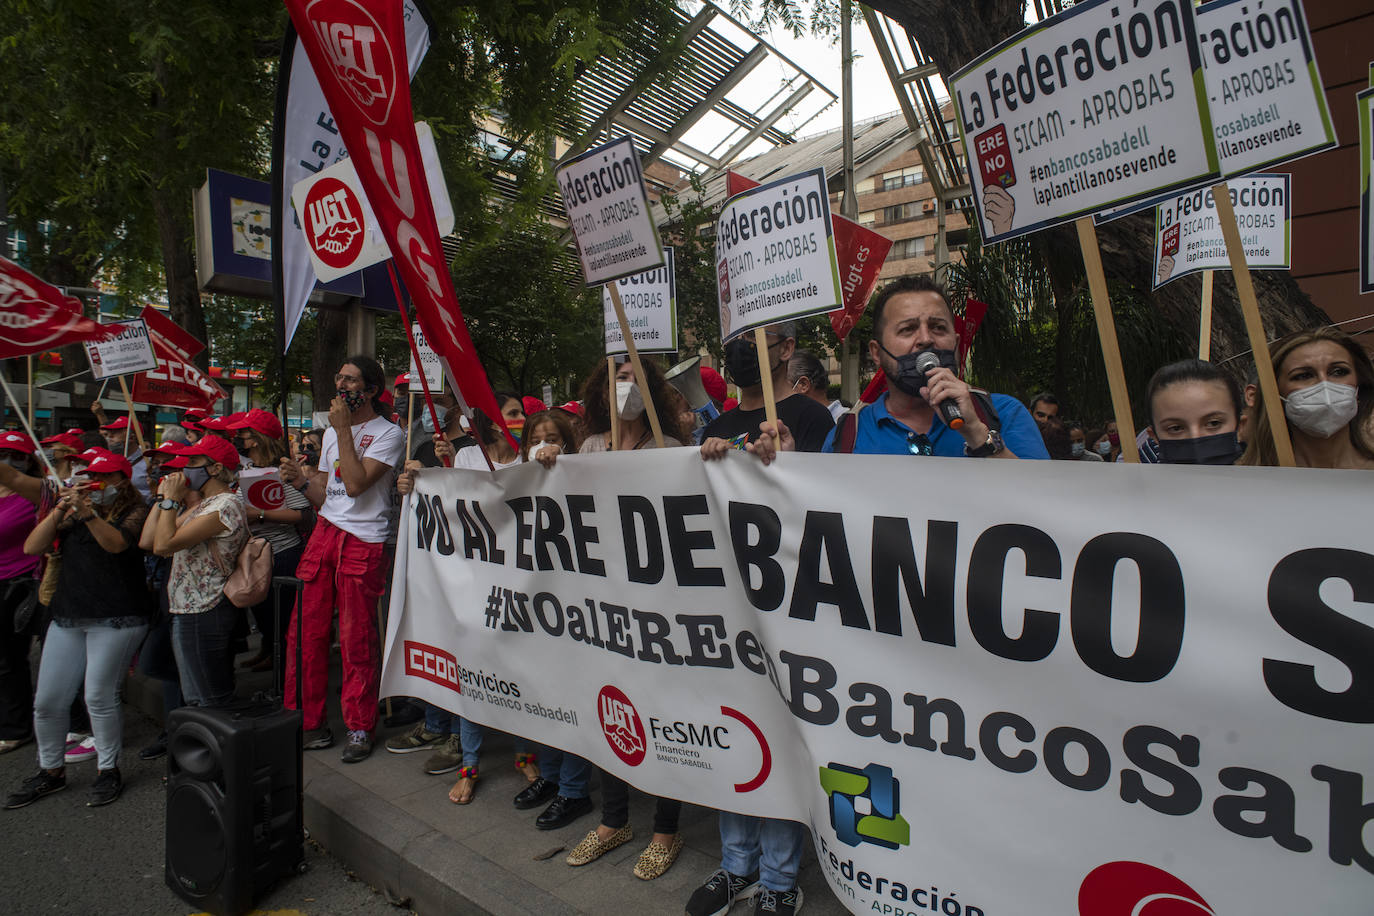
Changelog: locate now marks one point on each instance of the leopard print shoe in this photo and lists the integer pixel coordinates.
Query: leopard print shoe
(657, 859)
(593, 847)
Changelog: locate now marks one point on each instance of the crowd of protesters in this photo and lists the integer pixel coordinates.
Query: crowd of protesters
(108, 556)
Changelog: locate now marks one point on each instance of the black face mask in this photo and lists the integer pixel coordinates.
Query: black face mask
(1222, 448)
(908, 378)
(742, 363)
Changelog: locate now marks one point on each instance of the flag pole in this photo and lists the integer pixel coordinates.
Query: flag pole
(415, 354)
(9, 395)
(630, 347)
(615, 408)
(133, 420)
(30, 360)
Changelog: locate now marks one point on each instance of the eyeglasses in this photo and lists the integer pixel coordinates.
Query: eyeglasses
(351, 379)
(919, 444)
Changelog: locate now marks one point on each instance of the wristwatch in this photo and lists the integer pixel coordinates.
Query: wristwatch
(993, 446)
(169, 505)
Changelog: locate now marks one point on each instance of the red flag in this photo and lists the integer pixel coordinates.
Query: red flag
(36, 316)
(358, 51)
(176, 382)
(859, 252)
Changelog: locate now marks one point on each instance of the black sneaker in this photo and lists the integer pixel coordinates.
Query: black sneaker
(106, 788)
(155, 750)
(317, 739)
(358, 748)
(721, 890)
(35, 787)
(562, 811)
(778, 903)
(536, 793)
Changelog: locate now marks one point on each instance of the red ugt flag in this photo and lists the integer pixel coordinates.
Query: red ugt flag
(36, 316)
(358, 51)
(176, 382)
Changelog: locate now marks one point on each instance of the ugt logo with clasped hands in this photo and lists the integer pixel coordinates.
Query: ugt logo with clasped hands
(864, 805)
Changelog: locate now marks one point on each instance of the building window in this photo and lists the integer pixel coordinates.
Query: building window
(903, 249)
(901, 213)
(906, 178)
(868, 217)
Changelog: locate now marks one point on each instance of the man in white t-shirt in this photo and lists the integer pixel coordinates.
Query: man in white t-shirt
(344, 565)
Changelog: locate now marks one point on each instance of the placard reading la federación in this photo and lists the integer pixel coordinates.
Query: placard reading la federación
(433, 365)
(129, 351)
(1266, 98)
(1100, 107)
(775, 254)
(1365, 100)
(603, 192)
(650, 303)
(1188, 234)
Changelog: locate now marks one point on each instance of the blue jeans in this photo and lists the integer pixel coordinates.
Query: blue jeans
(440, 721)
(99, 656)
(573, 773)
(204, 657)
(771, 846)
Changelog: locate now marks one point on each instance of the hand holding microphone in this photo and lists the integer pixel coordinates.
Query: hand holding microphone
(927, 361)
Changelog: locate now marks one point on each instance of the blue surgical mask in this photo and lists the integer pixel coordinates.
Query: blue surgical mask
(196, 477)
(1078, 449)
(427, 422)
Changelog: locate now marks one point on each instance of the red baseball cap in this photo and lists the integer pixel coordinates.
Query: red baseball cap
(221, 424)
(572, 407)
(531, 405)
(402, 380)
(713, 383)
(212, 447)
(109, 463)
(121, 423)
(169, 448)
(15, 441)
(259, 421)
(70, 438)
(91, 454)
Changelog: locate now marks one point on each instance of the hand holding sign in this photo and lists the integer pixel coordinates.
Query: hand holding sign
(1166, 269)
(999, 207)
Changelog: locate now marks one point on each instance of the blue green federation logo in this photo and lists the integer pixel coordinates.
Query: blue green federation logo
(864, 805)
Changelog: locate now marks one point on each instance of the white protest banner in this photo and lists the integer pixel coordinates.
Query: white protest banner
(650, 301)
(1365, 100)
(434, 367)
(775, 254)
(1028, 708)
(341, 232)
(1099, 107)
(1265, 94)
(262, 488)
(608, 209)
(130, 350)
(1188, 234)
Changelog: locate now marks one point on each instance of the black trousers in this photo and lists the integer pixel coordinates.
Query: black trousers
(615, 806)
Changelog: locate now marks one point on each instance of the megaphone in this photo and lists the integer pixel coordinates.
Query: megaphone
(686, 378)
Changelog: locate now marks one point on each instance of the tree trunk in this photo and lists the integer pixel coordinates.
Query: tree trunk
(179, 265)
(331, 349)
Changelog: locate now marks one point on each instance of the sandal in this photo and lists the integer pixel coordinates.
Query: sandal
(657, 859)
(528, 765)
(467, 779)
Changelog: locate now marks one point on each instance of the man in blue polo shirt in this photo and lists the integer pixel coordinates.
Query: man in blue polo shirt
(912, 315)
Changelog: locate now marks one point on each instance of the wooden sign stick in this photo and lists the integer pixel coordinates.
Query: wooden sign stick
(1106, 333)
(30, 392)
(638, 366)
(615, 408)
(770, 410)
(133, 420)
(1204, 339)
(1254, 325)
(410, 419)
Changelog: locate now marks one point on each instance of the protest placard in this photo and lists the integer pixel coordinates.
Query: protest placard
(1033, 702)
(262, 488)
(130, 350)
(650, 302)
(1365, 100)
(1265, 94)
(1099, 107)
(1188, 235)
(433, 366)
(341, 231)
(775, 254)
(608, 209)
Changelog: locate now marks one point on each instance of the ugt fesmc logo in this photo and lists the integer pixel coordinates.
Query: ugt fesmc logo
(864, 805)
(621, 725)
(357, 47)
(1137, 889)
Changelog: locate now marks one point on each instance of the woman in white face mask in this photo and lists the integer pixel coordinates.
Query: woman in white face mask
(1326, 382)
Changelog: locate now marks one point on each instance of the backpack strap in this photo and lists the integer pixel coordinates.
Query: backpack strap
(982, 403)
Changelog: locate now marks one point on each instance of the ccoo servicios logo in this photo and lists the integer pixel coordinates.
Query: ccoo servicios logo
(864, 805)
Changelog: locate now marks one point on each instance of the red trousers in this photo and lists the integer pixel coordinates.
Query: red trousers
(339, 571)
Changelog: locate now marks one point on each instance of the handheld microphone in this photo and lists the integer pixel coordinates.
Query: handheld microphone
(949, 411)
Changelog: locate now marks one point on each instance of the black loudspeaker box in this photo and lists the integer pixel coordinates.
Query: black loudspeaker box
(233, 804)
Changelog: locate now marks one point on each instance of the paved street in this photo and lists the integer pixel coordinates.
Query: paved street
(58, 856)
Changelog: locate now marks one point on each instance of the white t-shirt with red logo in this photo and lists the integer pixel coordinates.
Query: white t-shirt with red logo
(366, 516)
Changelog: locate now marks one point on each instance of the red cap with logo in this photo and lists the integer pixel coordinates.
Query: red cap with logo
(212, 447)
(572, 407)
(91, 454)
(15, 441)
(121, 423)
(259, 421)
(169, 448)
(70, 438)
(402, 380)
(110, 463)
(221, 424)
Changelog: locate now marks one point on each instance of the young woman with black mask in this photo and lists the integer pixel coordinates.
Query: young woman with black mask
(1194, 412)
